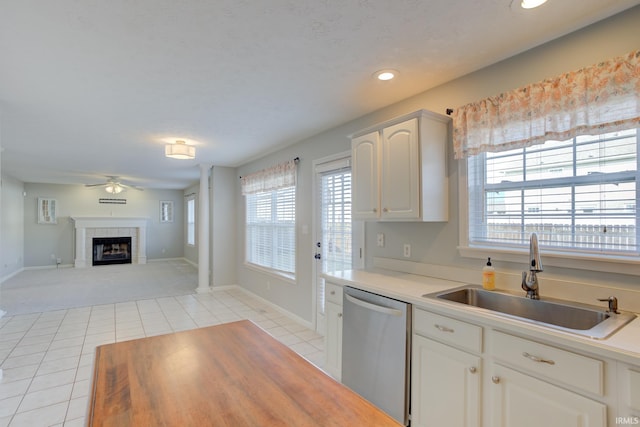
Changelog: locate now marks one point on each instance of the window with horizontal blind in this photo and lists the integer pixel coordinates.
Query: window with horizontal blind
(270, 230)
(578, 195)
(191, 222)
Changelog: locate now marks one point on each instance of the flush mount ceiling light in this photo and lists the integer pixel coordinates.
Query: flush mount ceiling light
(530, 4)
(180, 150)
(385, 75)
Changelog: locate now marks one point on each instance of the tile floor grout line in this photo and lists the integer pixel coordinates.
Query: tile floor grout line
(178, 312)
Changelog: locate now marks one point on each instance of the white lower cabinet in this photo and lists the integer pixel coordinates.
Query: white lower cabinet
(464, 374)
(446, 385)
(333, 334)
(628, 395)
(524, 401)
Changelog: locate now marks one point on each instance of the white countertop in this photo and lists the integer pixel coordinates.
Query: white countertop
(624, 345)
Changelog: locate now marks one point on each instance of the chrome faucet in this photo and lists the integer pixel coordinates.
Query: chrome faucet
(530, 279)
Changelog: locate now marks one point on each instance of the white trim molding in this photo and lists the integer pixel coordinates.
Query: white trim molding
(88, 227)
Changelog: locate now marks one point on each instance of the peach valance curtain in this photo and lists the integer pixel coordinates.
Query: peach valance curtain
(598, 99)
(273, 178)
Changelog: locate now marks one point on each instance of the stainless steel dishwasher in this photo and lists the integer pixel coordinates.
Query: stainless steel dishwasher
(376, 342)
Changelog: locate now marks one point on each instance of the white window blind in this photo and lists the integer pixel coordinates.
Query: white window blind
(577, 195)
(270, 232)
(191, 222)
(271, 217)
(337, 246)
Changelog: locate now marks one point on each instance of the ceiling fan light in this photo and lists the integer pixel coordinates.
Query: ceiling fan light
(180, 150)
(113, 188)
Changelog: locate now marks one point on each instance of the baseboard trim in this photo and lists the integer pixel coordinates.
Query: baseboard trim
(10, 275)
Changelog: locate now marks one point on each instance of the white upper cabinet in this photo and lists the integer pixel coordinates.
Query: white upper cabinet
(364, 158)
(400, 178)
(399, 169)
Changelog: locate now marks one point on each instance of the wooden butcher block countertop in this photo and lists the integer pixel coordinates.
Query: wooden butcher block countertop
(233, 374)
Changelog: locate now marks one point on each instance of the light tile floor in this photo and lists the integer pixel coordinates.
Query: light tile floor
(47, 358)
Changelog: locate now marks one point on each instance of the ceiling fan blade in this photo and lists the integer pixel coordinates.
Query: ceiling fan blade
(94, 185)
(130, 186)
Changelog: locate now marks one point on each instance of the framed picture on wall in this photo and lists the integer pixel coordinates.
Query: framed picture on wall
(47, 211)
(166, 211)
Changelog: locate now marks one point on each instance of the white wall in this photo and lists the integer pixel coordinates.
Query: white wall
(431, 243)
(223, 228)
(164, 240)
(11, 227)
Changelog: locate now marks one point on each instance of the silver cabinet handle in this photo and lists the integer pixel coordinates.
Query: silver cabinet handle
(443, 328)
(375, 210)
(473, 369)
(538, 359)
(495, 379)
(332, 292)
(385, 210)
(339, 314)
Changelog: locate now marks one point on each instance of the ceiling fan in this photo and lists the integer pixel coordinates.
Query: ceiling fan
(114, 186)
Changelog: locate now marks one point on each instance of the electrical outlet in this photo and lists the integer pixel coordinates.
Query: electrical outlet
(407, 250)
(381, 240)
(59, 261)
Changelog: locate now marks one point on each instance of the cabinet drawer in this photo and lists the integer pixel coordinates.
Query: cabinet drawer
(333, 293)
(570, 368)
(445, 329)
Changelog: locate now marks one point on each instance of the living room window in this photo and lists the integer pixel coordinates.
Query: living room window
(270, 234)
(191, 221)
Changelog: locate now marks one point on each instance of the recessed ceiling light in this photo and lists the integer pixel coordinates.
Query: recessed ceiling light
(385, 75)
(530, 4)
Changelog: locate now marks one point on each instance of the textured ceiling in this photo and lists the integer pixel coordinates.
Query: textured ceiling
(90, 88)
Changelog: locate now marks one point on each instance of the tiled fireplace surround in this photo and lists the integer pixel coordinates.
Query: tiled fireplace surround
(89, 227)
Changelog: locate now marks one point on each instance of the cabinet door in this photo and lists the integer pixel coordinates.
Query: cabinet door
(524, 401)
(333, 340)
(445, 385)
(400, 176)
(365, 178)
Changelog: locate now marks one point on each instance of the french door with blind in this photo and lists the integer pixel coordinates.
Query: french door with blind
(337, 239)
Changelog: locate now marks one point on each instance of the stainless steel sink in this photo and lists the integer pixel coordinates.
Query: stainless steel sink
(586, 320)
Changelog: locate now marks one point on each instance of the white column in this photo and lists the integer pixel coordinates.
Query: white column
(203, 230)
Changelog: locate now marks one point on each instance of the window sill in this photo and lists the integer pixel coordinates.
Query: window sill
(623, 264)
(287, 277)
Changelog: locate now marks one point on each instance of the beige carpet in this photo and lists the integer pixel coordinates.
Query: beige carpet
(34, 291)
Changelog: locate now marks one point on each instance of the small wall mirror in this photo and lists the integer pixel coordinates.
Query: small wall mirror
(47, 211)
(166, 211)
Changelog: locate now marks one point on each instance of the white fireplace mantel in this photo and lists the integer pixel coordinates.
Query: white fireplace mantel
(88, 227)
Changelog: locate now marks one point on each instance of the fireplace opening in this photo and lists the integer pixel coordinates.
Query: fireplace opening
(111, 250)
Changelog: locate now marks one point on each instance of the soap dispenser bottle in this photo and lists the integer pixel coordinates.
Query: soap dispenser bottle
(489, 276)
